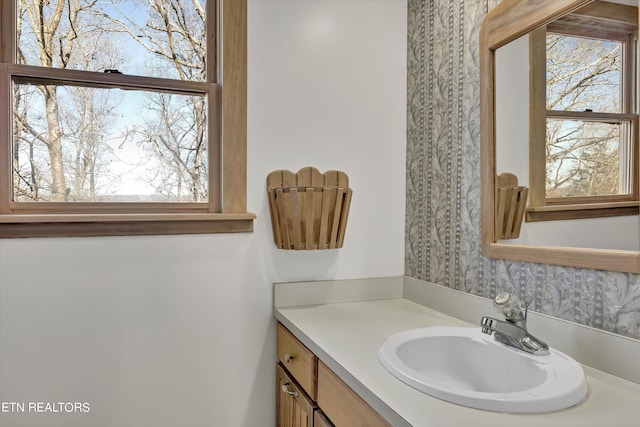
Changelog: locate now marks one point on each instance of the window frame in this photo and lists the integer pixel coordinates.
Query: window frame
(541, 207)
(226, 210)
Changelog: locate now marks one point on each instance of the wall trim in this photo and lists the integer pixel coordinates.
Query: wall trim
(336, 291)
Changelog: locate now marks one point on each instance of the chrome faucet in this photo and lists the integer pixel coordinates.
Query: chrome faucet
(513, 331)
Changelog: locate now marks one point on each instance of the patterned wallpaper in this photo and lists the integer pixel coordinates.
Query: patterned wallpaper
(443, 183)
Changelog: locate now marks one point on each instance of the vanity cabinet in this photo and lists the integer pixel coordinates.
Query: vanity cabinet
(309, 394)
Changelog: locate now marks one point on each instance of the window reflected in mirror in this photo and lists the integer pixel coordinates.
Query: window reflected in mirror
(585, 159)
(601, 235)
(567, 128)
(584, 73)
(584, 65)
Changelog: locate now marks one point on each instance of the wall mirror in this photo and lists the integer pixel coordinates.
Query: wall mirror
(559, 133)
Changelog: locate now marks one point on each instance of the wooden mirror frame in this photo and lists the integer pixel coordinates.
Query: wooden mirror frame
(509, 20)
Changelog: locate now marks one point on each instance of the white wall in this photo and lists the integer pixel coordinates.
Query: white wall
(177, 330)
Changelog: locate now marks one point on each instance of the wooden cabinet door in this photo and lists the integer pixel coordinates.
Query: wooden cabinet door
(321, 420)
(342, 405)
(293, 407)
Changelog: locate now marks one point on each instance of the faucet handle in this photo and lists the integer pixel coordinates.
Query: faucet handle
(510, 306)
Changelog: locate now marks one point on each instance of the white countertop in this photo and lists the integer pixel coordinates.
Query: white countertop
(346, 337)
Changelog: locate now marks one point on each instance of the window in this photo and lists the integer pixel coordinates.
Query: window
(115, 118)
(584, 123)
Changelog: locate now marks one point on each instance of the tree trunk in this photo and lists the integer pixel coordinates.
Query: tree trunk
(54, 144)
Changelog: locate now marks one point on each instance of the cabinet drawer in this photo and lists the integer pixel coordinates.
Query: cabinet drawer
(342, 405)
(298, 360)
(293, 407)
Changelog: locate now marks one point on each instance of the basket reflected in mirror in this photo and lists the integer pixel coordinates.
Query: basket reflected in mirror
(511, 203)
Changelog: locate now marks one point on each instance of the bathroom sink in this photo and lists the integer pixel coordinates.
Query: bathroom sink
(464, 366)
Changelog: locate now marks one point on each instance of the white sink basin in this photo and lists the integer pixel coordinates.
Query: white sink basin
(465, 366)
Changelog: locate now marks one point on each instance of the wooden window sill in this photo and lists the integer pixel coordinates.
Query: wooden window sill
(580, 211)
(85, 225)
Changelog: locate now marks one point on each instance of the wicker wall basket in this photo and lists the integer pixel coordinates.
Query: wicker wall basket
(309, 210)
